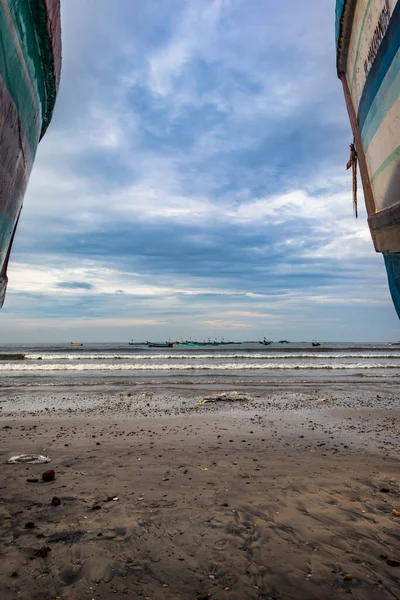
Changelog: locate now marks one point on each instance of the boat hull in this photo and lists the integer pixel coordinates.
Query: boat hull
(30, 64)
(368, 63)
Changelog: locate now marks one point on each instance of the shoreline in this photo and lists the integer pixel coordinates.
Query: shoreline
(362, 416)
(267, 495)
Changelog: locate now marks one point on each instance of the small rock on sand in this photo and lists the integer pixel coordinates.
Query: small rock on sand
(49, 475)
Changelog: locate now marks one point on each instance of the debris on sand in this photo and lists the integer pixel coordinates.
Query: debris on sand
(325, 399)
(56, 501)
(392, 562)
(396, 513)
(31, 459)
(225, 397)
(42, 552)
(49, 475)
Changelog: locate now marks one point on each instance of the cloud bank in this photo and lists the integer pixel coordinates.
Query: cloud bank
(192, 182)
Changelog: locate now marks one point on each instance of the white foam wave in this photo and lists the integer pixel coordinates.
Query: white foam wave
(209, 356)
(26, 367)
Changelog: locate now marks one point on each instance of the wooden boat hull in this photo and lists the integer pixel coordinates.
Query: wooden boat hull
(368, 64)
(30, 64)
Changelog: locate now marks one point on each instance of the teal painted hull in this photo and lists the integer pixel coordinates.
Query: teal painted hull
(30, 64)
(392, 264)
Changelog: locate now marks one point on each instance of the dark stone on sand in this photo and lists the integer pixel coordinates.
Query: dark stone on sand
(385, 490)
(14, 574)
(49, 475)
(30, 525)
(66, 537)
(56, 501)
(32, 480)
(392, 562)
(96, 507)
(42, 552)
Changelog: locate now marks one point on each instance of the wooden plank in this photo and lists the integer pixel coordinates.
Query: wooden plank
(385, 218)
(345, 35)
(387, 239)
(368, 194)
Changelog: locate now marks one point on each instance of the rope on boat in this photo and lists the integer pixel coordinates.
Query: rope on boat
(352, 163)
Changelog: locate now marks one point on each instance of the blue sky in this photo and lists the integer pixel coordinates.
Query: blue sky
(192, 182)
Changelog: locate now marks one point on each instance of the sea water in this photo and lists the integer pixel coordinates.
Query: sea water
(92, 364)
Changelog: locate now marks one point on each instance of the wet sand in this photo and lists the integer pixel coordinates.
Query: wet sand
(276, 494)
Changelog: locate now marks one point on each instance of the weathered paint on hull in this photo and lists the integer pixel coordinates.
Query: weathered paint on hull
(368, 61)
(30, 63)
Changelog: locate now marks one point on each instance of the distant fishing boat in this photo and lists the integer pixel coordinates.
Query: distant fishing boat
(75, 345)
(266, 342)
(368, 65)
(160, 345)
(30, 66)
(137, 343)
(193, 344)
(315, 343)
(283, 342)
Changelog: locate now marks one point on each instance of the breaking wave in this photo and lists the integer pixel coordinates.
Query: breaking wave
(207, 356)
(20, 367)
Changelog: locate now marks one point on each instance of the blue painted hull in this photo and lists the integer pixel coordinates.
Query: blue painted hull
(392, 264)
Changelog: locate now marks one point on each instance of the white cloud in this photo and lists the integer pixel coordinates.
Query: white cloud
(50, 280)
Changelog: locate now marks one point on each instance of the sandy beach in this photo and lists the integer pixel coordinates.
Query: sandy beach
(182, 493)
